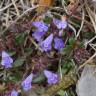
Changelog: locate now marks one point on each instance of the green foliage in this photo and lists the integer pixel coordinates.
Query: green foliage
(62, 93)
(76, 23)
(14, 78)
(11, 53)
(67, 66)
(71, 41)
(81, 45)
(69, 47)
(88, 35)
(66, 50)
(39, 79)
(28, 51)
(20, 38)
(47, 20)
(18, 62)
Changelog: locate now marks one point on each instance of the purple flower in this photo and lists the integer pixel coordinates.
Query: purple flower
(26, 84)
(59, 44)
(40, 25)
(6, 60)
(46, 44)
(38, 34)
(14, 93)
(60, 24)
(52, 78)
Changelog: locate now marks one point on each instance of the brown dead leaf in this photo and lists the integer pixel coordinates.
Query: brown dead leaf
(2, 87)
(72, 6)
(46, 3)
(72, 1)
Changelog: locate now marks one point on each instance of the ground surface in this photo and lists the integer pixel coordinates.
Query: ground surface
(44, 45)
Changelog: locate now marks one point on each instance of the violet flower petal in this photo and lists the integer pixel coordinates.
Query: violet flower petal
(38, 34)
(6, 60)
(52, 78)
(46, 45)
(59, 44)
(40, 25)
(60, 24)
(26, 84)
(14, 93)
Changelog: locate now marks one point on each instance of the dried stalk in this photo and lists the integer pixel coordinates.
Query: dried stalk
(65, 82)
(82, 23)
(91, 14)
(88, 61)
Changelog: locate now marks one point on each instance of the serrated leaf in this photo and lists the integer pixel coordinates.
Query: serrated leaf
(71, 41)
(88, 35)
(81, 45)
(19, 62)
(28, 51)
(62, 93)
(20, 38)
(14, 77)
(66, 50)
(67, 67)
(11, 53)
(47, 20)
(40, 78)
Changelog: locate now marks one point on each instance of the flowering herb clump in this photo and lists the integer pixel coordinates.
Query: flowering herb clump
(42, 29)
(41, 52)
(49, 37)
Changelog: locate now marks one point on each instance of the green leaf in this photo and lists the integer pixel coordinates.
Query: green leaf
(69, 47)
(71, 41)
(20, 38)
(39, 79)
(62, 93)
(11, 53)
(75, 22)
(88, 35)
(47, 20)
(67, 67)
(81, 45)
(66, 50)
(28, 51)
(14, 77)
(19, 62)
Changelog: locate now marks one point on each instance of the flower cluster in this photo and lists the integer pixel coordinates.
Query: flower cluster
(46, 44)
(42, 29)
(26, 84)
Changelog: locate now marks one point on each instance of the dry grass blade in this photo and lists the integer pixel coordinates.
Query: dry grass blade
(6, 7)
(92, 15)
(25, 12)
(17, 11)
(82, 23)
(88, 61)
